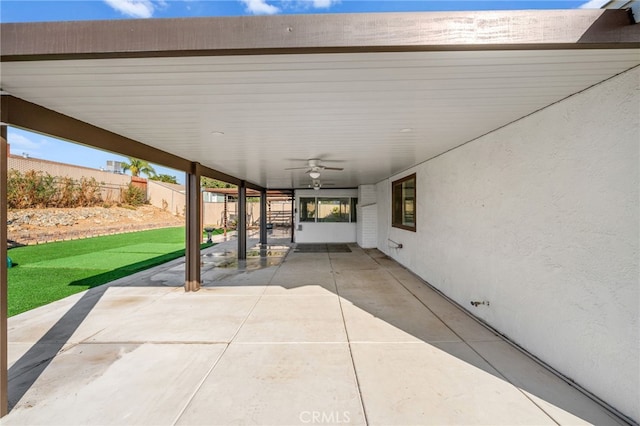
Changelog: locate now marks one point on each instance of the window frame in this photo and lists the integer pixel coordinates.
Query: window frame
(396, 221)
(347, 216)
(352, 216)
(315, 210)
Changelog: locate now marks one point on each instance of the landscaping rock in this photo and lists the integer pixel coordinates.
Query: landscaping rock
(33, 226)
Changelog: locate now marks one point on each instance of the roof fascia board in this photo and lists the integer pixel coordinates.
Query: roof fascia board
(330, 33)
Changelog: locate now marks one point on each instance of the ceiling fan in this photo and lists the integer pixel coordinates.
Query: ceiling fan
(316, 184)
(314, 167)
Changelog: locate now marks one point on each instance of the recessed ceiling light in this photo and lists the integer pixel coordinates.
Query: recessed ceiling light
(217, 133)
(406, 130)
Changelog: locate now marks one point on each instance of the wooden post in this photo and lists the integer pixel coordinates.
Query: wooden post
(242, 221)
(224, 219)
(293, 215)
(194, 232)
(4, 394)
(263, 217)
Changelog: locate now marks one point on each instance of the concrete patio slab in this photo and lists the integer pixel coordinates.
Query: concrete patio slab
(282, 384)
(370, 283)
(301, 318)
(417, 383)
(356, 260)
(542, 386)
(186, 317)
(338, 338)
(16, 351)
(308, 262)
(298, 282)
(399, 321)
(457, 320)
(116, 384)
(57, 322)
(378, 308)
(222, 277)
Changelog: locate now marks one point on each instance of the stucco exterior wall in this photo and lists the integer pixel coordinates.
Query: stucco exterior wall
(110, 183)
(66, 170)
(167, 196)
(541, 219)
(172, 198)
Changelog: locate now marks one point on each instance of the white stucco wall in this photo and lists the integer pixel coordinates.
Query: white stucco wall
(324, 232)
(541, 218)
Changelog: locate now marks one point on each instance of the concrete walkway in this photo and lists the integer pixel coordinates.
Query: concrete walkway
(310, 338)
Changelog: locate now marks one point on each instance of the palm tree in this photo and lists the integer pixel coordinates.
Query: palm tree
(164, 178)
(137, 166)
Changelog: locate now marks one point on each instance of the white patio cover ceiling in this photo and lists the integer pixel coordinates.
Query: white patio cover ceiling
(374, 114)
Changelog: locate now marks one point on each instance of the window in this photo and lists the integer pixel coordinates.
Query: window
(307, 209)
(328, 209)
(333, 210)
(354, 215)
(403, 196)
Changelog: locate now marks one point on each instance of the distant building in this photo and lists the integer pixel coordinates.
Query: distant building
(114, 167)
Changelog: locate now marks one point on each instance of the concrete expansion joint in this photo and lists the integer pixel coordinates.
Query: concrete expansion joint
(154, 342)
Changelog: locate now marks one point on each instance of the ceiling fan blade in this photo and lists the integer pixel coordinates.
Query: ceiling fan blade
(297, 168)
(332, 168)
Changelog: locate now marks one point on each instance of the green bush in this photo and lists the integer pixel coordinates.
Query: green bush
(133, 195)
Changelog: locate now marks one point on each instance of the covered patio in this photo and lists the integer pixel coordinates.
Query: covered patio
(297, 338)
(501, 121)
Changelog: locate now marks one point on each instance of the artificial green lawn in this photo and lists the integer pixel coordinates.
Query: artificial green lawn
(48, 272)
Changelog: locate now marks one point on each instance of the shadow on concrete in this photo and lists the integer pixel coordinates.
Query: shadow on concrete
(225, 270)
(24, 372)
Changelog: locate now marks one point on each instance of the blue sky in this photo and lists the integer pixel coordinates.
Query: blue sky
(40, 146)
(49, 10)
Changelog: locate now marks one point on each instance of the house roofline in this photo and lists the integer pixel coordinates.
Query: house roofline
(330, 33)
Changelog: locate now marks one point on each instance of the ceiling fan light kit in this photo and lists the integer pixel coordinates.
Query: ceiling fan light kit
(314, 167)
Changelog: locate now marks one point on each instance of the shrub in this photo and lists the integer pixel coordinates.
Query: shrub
(66, 192)
(133, 195)
(33, 189)
(89, 193)
(38, 190)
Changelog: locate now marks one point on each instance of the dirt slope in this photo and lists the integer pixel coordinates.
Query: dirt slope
(31, 226)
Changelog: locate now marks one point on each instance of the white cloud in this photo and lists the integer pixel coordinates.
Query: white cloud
(135, 8)
(593, 4)
(305, 5)
(324, 4)
(21, 143)
(260, 7)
